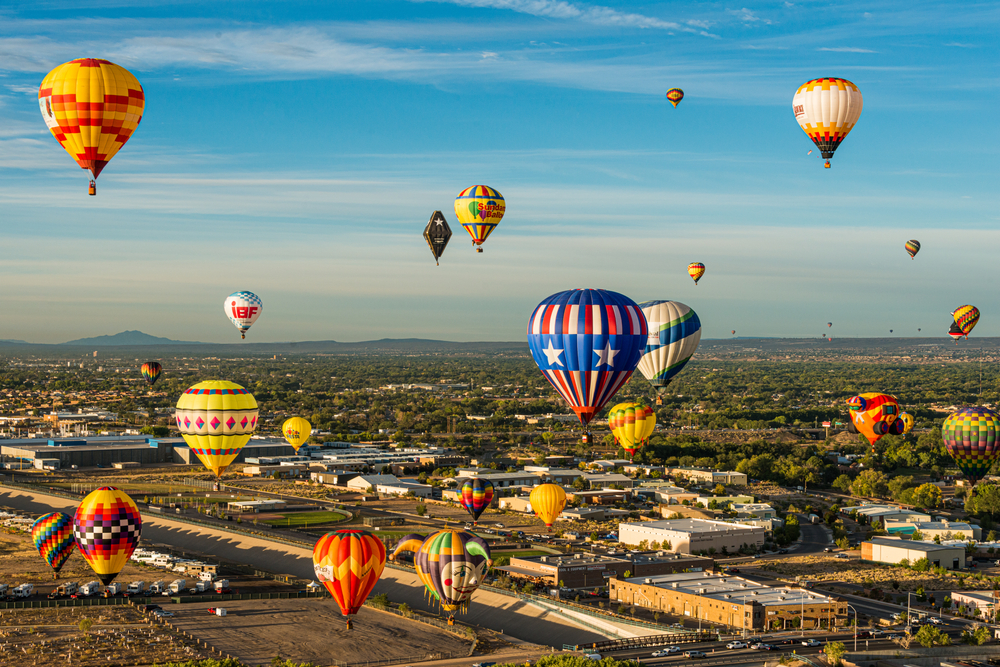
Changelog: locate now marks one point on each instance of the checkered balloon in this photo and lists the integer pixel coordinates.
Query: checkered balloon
(107, 526)
(970, 436)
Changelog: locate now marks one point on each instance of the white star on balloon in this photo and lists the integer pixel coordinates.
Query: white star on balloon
(607, 356)
(552, 355)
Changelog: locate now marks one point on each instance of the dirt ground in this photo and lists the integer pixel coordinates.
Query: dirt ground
(312, 630)
(119, 636)
(828, 568)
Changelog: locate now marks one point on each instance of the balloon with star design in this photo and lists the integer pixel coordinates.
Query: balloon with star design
(587, 343)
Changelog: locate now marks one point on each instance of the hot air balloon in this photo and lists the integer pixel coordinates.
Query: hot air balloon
(151, 372)
(906, 419)
(479, 209)
(547, 502)
(587, 343)
(437, 233)
(91, 107)
(827, 109)
(450, 563)
(296, 431)
(872, 414)
(913, 247)
(674, 333)
(675, 95)
(216, 418)
(965, 318)
(243, 309)
(106, 527)
(734, 332)
(477, 494)
(970, 436)
(52, 535)
(829, 324)
(696, 270)
(348, 562)
(634, 424)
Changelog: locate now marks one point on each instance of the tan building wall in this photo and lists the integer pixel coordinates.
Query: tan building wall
(733, 612)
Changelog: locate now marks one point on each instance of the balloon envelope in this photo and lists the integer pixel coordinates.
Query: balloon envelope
(437, 233)
(52, 535)
(872, 414)
(674, 332)
(913, 247)
(243, 309)
(547, 502)
(296, 431)
(970, 436)
(696, 270)
(216, 419)
(106, 527)
(151, 372)
(587, 343)
(450, 563)
(675, 95)
(826, 110)
(477, 494)
(634, 424)
(479, 209)
(348, 563)
(91, 107)
(965, 318)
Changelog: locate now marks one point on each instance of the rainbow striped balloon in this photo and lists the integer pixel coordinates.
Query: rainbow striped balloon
(348, 563)
(53, 537)
(477, 494)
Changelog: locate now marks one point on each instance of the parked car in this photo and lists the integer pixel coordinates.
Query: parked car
(811, 642)
(842, 555)
(694, 654)
(160, 613)
(732, 645)
(733, 570)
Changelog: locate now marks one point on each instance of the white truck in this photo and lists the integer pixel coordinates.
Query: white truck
(88, 589)
(176, 586)
(221, 585)
(136, 587)
(23, 591)
(157, 587)
(813, 518)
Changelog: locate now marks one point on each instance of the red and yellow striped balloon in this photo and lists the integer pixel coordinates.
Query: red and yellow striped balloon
(696, 270)
(348, 563)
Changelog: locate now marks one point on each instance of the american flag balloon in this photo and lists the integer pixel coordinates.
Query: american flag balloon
(587, 343)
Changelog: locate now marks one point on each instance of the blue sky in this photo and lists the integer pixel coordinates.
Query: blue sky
(297, 150)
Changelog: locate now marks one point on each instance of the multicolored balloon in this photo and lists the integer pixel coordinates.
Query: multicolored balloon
(348, 563)
(52, 535)
(91, 107)
(674, 332)
(450, 563)
(696, 270)
(151, 372)
(633, 424)
(872, 414)
(437, 233)
(547, 502)
(906, 419)
(106, 527)
(477, 494)
(829, 324)
(675, 95)
(296, 431)
(970, 436)
(216, 419)
(826, 110)
(913, 247)
(243, 309)
(479, 209)
(965, 319)
(587, 343)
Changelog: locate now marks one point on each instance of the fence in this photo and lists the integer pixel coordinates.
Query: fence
(68, 602)
(396, 661)
(650, 640)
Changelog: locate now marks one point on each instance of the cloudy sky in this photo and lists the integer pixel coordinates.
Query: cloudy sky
(297, 149)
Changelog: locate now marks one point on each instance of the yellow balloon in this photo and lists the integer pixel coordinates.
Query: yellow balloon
(296, 431)
(548, 501)
(479, 209)
(216, 419)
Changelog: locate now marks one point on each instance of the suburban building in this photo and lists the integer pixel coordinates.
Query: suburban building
(516, 504)
(367, 483)
(754, 511)
(598, 497)
(950, 530)
(674, 495)
(582, 514)
(722, 501)
(894, 549)
(102, 451)
(590, 571)
(693, 535)
(967, 602)
(403, 488)
(606, 480)
(500, 480)
(608, 465)
(297, 470)
(738, 603)
(637, 468)
(709, 476)
(878, 513)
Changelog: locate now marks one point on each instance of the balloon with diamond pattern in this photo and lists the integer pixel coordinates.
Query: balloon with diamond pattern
(216, 419)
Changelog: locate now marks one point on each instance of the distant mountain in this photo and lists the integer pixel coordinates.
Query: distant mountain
(128, 339)
(10, 341)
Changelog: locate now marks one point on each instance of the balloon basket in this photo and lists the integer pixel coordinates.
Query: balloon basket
(243, 336)
(350, 624)
(92, 190)
(826, 165)
(451, 620)
(479, 249)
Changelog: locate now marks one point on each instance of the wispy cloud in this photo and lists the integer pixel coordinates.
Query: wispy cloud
(594, 14)
(961, 45)
(748, 17)
(845, 49)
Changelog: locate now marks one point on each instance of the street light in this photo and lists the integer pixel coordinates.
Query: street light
(855, 626)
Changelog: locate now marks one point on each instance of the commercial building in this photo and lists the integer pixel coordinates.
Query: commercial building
(607, 480)
(723, 501)
(693, 535)
(946, 530)
(102, 451)
(256, 505)
(754, 511)
(966, 602)
(877, 513)
(599, 497)
(403, 488)
(735, 602)
(500, 480)
(709, 476)
(589, 571)
(367, 483)
(893, 550)
(674, 495)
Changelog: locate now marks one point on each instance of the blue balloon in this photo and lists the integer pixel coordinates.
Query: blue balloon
(587, 343)
(674, 334)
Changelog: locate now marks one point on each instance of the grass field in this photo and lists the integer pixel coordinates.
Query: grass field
(307, 519)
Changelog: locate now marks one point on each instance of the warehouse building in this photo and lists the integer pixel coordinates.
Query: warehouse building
(590, 571)
(893, 550)
(877, 513)
(738, 603)
(946, 530)
(691, 536)
(102, 451)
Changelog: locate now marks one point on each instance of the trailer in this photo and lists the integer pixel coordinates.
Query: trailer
(64, 589)
(176, 586)
(114, 588)
(157, 587)
(23, 591)
(206, 576)
(221, 585)
(88, 589)
(136, 587)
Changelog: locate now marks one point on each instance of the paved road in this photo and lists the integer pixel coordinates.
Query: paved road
(490, 610)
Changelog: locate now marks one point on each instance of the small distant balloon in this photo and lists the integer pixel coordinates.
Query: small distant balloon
(829, 324)
(243, 309)
(151, 372)
(675, 95)
(913, 247)
(696, 270)
(734, 332)
(965, 318)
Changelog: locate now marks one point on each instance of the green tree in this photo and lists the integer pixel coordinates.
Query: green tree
(927, 496)
(421, 510)
(834, 652)
(85, 625)
(929, 636)
(870, 483)
(842, 483)
(981, 635)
